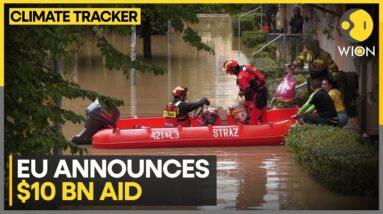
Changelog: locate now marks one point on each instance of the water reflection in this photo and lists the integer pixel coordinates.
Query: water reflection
(264, 177)
(259, 178)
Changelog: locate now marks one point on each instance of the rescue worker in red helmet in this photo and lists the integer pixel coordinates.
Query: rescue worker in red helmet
(252, 85)
(177, 112)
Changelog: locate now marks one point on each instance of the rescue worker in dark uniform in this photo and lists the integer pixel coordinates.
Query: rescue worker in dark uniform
(252, 85)
(321, 65)
(177, 112)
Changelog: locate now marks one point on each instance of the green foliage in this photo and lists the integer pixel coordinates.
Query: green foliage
(249, 22)
(335, 158)
(159, 24)
(160, 14)
(193, 39)
(253, 38)
(116, 60)
(219, 8)
(33, 88)
(269, 65)
(180, 16)
(269, 50)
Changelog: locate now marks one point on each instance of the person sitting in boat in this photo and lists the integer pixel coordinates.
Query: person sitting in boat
(177, 112)
(252, 85)
(320, 101)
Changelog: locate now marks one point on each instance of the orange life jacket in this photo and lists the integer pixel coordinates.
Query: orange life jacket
(253, 78)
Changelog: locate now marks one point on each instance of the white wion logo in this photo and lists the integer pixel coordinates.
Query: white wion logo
(356, 51)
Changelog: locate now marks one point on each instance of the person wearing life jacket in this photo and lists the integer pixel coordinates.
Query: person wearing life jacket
(252, 85)
(177, 112)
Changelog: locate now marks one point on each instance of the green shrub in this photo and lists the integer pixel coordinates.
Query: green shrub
(269, 66)
(270, 49)
(253, 38)
(335, 158)
(248, 23)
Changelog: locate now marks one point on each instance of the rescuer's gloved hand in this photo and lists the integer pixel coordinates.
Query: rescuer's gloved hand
(206, 101)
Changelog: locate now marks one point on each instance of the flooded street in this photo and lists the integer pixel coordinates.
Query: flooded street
(259, 177)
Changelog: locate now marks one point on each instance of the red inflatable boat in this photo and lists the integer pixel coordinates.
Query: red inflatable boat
(149, 132)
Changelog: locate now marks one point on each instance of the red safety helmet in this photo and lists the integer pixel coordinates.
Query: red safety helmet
(180, 91)
(229, 66)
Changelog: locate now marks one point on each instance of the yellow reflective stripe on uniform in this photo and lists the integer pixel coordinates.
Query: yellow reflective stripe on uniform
(309, 57)
(332, 64)
(170, 114)
(299, 60)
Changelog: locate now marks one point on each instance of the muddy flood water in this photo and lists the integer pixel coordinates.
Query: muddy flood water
(259, 177)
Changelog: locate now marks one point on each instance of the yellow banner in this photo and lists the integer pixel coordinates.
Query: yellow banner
(74, 16)
(380, 112)
(2, 47)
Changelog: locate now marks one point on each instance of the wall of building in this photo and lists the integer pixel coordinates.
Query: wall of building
(366, 68)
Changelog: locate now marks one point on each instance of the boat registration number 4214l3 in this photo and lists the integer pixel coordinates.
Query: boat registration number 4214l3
(161, 135)
(174, 134)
